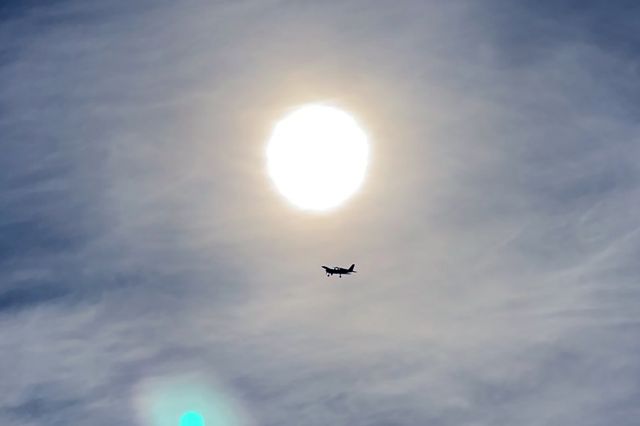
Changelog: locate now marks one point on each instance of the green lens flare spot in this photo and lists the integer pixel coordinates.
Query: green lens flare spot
(191, 418)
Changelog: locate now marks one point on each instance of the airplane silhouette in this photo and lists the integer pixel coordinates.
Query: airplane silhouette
(338, 270)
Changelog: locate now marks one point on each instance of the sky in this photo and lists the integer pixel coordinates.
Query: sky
(148, 267)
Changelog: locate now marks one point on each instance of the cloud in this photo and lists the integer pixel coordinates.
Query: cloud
(142, 244)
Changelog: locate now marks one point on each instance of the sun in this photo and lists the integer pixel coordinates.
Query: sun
(317, 157)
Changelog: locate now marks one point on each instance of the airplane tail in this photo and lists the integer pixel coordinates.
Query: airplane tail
(351, 269)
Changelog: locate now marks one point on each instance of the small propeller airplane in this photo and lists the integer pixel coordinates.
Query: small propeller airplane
(338, 270)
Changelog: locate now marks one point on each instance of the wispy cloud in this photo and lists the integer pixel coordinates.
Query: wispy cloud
(142, 248)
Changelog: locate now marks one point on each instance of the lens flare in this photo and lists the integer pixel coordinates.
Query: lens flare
(191, 418)
(187, 401)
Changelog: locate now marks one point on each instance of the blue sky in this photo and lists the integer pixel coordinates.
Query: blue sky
(148, 268)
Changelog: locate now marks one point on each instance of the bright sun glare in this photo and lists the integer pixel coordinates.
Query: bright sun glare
(317, 157)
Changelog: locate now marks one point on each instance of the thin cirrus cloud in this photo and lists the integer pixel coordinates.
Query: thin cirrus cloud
(143, 248)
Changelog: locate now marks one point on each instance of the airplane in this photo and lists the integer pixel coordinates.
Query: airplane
(338, 270)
